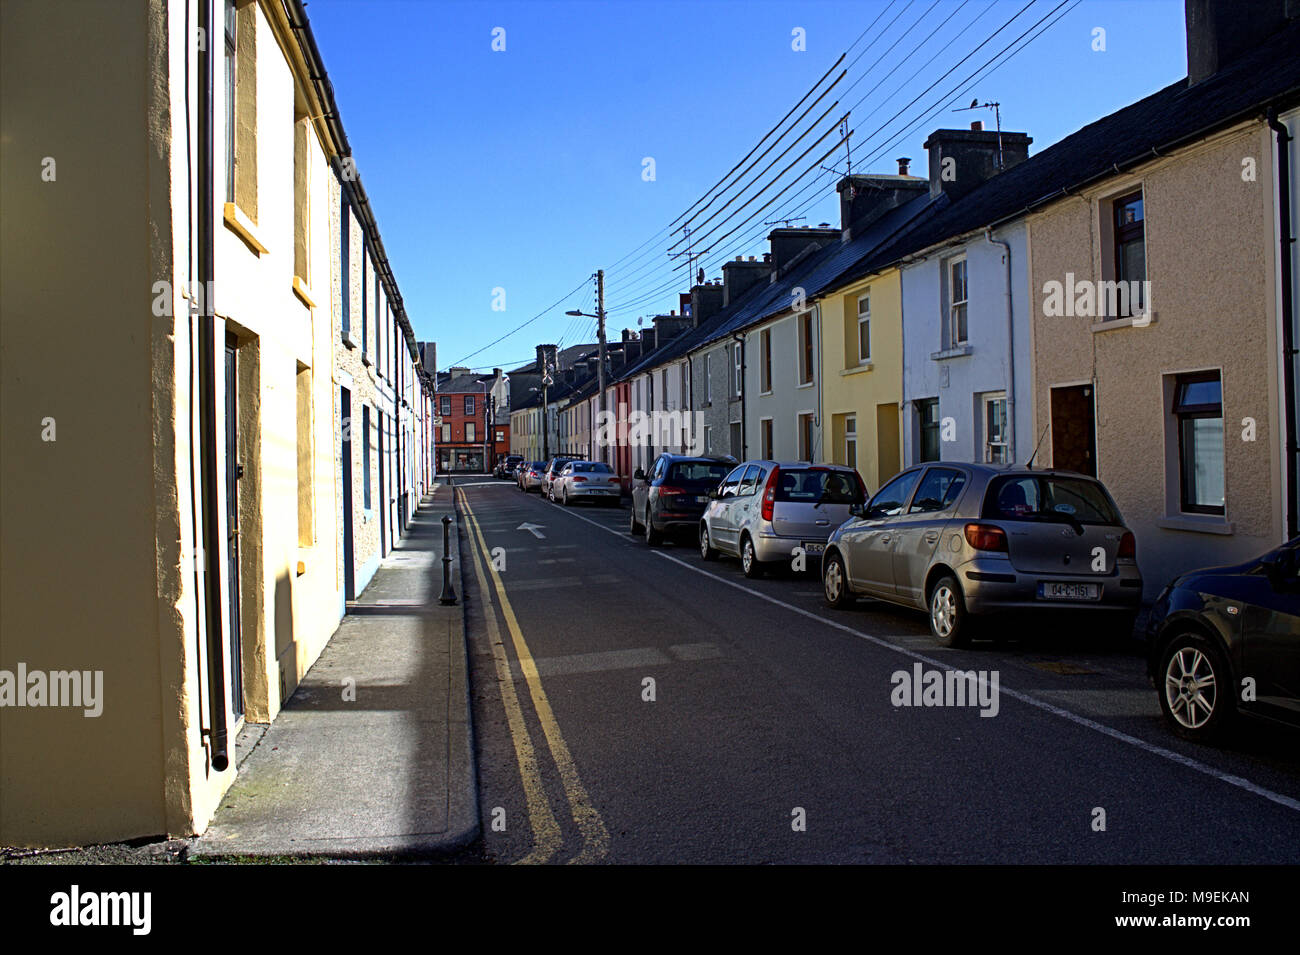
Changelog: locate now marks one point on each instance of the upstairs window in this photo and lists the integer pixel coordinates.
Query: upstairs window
(806, 355)
(469, 404)
(864, 329)
(955, 331)
(737, 369)
(1129, 225)
(765, 359)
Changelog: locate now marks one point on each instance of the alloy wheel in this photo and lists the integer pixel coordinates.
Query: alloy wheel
(1191, 688)
(943, 610)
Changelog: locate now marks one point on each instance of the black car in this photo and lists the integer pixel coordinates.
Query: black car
(673, 496)
(506, 466)
(1226, 641)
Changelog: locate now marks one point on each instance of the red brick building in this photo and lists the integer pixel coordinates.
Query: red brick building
(471, 430)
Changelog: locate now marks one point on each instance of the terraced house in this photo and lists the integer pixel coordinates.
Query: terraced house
(201, 441)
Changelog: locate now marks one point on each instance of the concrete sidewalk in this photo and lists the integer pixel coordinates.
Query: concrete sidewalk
(386, 771)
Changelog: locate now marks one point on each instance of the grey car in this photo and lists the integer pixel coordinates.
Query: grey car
(763, 511)
(586, 481)
(961, 540)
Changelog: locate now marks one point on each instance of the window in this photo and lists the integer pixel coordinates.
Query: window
(708, 439)
(806, 367)
(345, 236)
(681, 380)
(469, 404)
(806, 436)
(737, 440)
(445, 404)
(239, 28)
(996, 450)
(955, 288)
(892, 498)
(446, 433)
(938, 491)
(365, 456)
(765, 359)
(365, 313)
(501, 436)
(1129, 227)
(708, 379)
(1198, 408)
(231, 33)
(306, 533)
(765, 439)
(731, 482)
(737, 369)
(301, 196)
(927, 419)
(471, 433)
(851, 441)
(749, 483)
(864, 329)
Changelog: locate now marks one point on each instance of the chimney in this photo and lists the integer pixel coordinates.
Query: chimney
(631, 345)
(791, 245)
(961, 159)
(904, 162)
(706, 301)
(668, 327)
(864, 199)
(740, 276)
(455, 371)
(546, 355)
(429, 357)
(1220, 31)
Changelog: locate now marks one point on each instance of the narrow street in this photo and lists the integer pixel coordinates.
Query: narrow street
(767, 702)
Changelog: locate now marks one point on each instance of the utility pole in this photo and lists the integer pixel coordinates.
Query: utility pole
(600, 337)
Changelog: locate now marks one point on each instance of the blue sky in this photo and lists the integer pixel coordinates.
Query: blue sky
(523, 170)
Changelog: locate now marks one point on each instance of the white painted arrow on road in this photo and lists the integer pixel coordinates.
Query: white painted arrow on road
(535, 528)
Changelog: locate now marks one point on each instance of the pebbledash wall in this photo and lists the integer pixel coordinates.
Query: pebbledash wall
(118, 486)
(1214, 310)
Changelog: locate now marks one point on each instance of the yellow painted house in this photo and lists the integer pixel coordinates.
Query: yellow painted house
(862, 375)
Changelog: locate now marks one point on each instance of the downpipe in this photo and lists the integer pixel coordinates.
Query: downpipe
(1011, 348)
(1285, 243)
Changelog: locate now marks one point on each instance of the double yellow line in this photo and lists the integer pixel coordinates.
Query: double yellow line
(547, 838)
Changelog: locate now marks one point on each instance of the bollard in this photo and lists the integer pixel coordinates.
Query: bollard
(448, 591)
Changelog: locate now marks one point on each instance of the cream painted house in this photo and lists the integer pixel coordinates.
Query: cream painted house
(181, 382)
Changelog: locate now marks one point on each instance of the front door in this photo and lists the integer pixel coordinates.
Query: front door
(234, 470)
(345, 422)
(1074, 430)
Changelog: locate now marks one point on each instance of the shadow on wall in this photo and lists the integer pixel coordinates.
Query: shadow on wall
(286, 647)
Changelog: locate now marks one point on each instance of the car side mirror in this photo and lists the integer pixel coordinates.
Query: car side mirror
(713, 494)
(638, 475)
(857, 510)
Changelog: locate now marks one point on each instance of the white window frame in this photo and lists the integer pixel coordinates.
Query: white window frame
(708, 378)
(951, 302)
(865, 297)
(471, 432)
(708, 439)
(737, 370)
(986, 400)
(851, 440)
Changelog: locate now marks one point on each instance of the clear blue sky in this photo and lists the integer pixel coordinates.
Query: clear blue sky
(523, 169)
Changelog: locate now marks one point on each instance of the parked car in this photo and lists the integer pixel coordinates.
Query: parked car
(963, 540)
(586, 481)
(506, 466)
(529, 475)
(672, 497)
(1209, 630)
(552, 471)
(763, 510)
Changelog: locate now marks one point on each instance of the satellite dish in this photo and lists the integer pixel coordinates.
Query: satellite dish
(640, 319)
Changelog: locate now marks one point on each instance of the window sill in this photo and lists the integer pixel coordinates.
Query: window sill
(347, 340)
(1207, 524)
(365, 360)
(1110, 324)
(857, 369)
(239, 223)
(959, 351)
(304, 294)
(765, 394)
(806, 384)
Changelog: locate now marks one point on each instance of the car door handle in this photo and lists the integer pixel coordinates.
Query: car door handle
(823, 523)
(884, 538)
(931, 537)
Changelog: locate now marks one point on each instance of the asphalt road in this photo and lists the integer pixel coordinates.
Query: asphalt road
(772, 734)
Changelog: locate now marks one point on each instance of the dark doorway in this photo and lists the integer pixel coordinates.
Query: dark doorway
(383, 497)
(1074, 429)
(345, 428)
(234, 471)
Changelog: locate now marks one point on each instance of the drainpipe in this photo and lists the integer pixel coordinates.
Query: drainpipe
(817, 374)
(1011, 349)
(744, 423)
(212, 548)
(1285, 243)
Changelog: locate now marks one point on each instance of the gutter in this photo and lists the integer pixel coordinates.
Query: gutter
(1011, 349)
(1285, 243)
(744, 423)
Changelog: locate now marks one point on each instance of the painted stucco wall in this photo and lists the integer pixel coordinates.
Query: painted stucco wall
(960, 382)
(788, 398)
(1211, 262)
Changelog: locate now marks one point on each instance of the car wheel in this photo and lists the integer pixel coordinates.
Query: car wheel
(949, 622)
(835, 583)
(652, 537)
(564, 498)
(1195, 687)
(749, 562)
(634, 528)
(706, 548)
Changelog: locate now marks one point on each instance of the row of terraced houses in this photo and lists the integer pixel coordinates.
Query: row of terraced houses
(217, 418)
(1120, 304)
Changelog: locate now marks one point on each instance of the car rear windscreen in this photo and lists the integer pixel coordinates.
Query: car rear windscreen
(697, 473)
(599, 467)
(1041, 497)
(819, 486)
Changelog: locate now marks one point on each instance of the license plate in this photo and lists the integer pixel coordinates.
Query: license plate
(814, 547)
(1057, 591)
(701, 499)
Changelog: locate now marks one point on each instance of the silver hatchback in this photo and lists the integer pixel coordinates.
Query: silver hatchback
(763, 511)
(968, 539)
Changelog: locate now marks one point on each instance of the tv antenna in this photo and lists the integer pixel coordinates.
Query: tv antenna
(785, 222)
(691, 255)
(997, 115)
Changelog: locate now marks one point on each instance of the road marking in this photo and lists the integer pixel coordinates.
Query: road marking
(546, 831)
(595, 837)
(535, 528)
(1152, 748)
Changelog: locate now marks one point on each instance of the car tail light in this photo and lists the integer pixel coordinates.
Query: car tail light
(986, 537)
(1128, 547)
(579, 479)
(665, 491)
(769, 494)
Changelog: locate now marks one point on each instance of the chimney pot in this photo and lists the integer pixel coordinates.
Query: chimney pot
(903, 163)
(977, 125)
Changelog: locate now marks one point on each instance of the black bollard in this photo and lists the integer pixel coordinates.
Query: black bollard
(448, 591)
